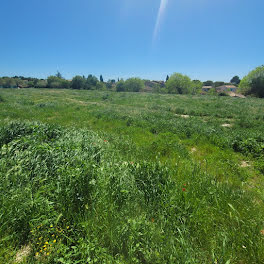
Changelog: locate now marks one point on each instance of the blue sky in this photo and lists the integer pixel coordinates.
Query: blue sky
(205, 39)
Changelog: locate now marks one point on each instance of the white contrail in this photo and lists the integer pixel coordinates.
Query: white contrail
(163, 5)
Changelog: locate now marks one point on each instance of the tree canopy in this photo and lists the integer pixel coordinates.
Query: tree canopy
(235, 80)
(134, 85)
(179, 84)
(252, 80)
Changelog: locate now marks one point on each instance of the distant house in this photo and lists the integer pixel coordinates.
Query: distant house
(226, 88)
(206, 88)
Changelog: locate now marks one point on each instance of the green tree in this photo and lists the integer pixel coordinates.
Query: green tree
(41, 84)
(245, 85)
(196, 86)
(78, 82)
(91, 82)
(101, 78)
(134, 85)
(235, 80)
(120, 86)
(208, 83)
(58, 74)
(100, 86)
(217, 84)
(257, 87)
(167, 78)
(179, 84)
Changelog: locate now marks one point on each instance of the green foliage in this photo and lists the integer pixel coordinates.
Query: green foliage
(78, 82)
(246, 83)
(179, 84)
(258, 87)
(120, 86)
(208, 83)
(217, 84)
(235, 80)
(134, 85)
(41, 84)
(91, 82)
(196, 86)
(7, 82)
(57, 82)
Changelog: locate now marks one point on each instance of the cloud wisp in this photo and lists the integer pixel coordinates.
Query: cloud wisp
(162, 9)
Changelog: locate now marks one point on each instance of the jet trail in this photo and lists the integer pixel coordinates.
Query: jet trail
(162, 9)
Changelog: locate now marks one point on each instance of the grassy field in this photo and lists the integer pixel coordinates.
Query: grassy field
(104, 177)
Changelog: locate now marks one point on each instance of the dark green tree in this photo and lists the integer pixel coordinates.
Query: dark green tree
(134, 85)
(120, 86)
(101, 78)
(208, 83)
(78, 82)
(258, 87)
(91, 82)
(58, 74)
(167, 78)
(235, 80)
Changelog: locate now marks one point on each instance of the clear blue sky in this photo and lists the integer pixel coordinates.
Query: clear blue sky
(205, 39)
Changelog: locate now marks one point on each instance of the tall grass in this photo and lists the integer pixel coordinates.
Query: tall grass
(75, 198)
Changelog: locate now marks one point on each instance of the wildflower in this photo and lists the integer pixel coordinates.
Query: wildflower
(105, 140)
(53, 235)
(54, 241)
(184, 184)
(262, 232)
(183, 189)
(48, 253)
(37, 254)
(40, 250)
(46, 243)
(68, 227)
(45, 249)
(51, 226)
(152, 220)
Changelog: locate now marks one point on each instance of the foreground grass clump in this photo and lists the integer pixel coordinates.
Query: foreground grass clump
(74, 198)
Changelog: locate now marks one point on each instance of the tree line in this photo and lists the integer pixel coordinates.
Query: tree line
(177, 83)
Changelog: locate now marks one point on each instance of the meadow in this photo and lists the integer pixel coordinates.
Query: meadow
(107, 177)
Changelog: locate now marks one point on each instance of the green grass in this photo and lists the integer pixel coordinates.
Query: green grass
(125, 178)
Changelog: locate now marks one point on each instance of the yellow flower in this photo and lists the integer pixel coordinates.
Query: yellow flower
(53, 235)
(45, 249)
(37, 254)
(46, 243)
(68, 227)
(48, 253)
(51, 226)
(40, 250)
(54, 241)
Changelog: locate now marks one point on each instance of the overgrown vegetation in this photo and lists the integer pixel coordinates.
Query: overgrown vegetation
(101, 177)
(253, 83)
